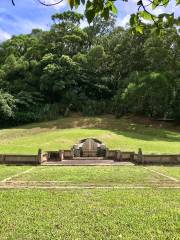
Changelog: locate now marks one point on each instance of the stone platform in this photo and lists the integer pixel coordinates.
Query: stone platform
(91, 162)
(90, 159)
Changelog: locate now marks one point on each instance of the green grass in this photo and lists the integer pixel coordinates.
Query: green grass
(124, 134)
(92, 175)
(8, 171)
(128, 214)
(90, 214)
(172, 171)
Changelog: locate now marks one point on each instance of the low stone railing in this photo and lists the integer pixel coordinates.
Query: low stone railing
(141, 158)
(116, 155)
(23, 158)
(18, 159)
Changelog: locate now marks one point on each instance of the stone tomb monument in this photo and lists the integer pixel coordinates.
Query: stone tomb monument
(89, 147)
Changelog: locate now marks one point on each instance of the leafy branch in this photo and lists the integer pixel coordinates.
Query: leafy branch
(105, 7)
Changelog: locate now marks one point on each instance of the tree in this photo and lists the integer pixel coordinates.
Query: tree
(151, 94)
(106, 7)
(102, 68)
(7, 105)
(66, 27)
(99, 27)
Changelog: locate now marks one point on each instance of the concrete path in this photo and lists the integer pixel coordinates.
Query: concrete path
(87, 163)
(74, 187)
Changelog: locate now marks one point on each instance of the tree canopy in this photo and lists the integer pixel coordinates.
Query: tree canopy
(102, 68)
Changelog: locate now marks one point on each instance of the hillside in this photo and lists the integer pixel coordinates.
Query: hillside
(124, 134)
(45, 74)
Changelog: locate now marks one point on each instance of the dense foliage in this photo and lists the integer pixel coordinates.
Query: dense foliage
(144, 12)
(98, 69)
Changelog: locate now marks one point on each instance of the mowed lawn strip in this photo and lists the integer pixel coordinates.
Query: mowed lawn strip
(89, 214)
(172, 171)
(124, 134)
(10, 171)
(91, 175)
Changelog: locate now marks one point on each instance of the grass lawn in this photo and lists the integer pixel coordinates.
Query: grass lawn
(124, 134)
(172, 171)
(90, 214)
(91, 175)
(8, 171)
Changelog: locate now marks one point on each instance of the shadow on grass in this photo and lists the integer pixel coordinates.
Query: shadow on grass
(124, 127)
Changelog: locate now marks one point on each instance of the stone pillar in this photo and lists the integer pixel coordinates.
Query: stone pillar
(178, 158)
(61, 155)
(140, 156)
(1, 158)
(39, 156)
(4, 158)
(118, 156)
(72, 153)
(132, 157)
(107, 153)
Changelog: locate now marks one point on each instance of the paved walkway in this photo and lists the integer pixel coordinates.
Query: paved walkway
(87, 163)
(28, 185)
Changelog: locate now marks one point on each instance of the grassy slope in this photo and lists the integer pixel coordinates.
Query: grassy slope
(89, 214)
(123, 134)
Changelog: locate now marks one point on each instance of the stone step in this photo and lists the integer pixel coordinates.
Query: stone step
(85, 162)
(88, 158)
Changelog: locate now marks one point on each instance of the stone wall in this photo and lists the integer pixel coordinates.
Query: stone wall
(128, 156)
(19, 159)
(35, 159)
(1, 158)
(67, 154)
(141, 158)
(117, 155)
(111, 154)
(43, 157)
